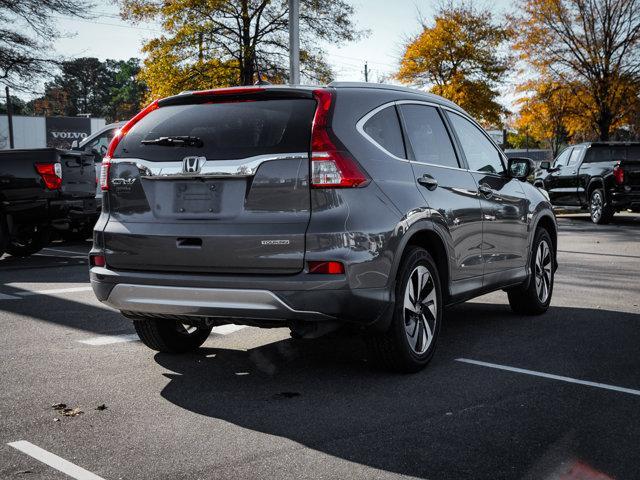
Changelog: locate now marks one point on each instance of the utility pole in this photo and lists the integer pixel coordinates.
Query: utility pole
(294, 42)
(366, 72)
(9, 116)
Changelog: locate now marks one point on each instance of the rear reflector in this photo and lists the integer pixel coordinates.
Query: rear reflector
(51, 173)
(97, 260)
(331, 164)
(332, 268)
(618, 174)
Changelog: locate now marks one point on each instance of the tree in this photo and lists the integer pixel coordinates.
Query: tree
(211, 43)
(27, 28)
(18, 106)
(459, 58)
(86, 85)
(545, 115)
(125, 91)
(592, 46)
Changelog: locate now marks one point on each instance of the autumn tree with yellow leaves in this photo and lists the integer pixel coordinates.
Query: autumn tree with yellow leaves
(459, 57)
(590, 52)
(214, 43)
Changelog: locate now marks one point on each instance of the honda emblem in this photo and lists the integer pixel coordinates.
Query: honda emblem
(192, 164)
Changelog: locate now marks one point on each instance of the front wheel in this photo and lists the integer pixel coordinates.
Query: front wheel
(409, 343)
(170, 336)
(600, 212)
(535, 297)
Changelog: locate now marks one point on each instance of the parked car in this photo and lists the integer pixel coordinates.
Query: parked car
(361, 205)
(41, 189)
(601, 177)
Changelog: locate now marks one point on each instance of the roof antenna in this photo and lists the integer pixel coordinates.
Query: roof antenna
(260, 81)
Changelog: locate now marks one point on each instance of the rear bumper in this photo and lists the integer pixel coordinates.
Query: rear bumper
(245, 299)
(623, 200)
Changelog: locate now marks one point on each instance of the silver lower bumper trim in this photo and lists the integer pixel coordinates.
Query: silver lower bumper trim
(205, 302)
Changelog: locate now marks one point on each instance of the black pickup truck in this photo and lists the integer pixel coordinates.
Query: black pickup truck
(41, 189)
(601, 177)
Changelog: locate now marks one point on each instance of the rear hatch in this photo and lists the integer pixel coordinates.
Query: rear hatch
(210, 183)
(78, 175)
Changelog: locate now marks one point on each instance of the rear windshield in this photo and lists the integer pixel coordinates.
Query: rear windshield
(609, 153)
(227, 130)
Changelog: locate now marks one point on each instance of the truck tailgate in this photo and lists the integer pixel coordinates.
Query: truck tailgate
(78, 175)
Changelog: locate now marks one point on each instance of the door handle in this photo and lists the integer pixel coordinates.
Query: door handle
(486, 190)
(428, 181)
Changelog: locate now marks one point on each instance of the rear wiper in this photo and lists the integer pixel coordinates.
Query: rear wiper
(177, 141)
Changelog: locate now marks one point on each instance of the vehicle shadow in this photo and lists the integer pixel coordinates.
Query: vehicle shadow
(449, 421)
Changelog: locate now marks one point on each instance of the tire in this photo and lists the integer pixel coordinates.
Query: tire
(30, 239)
(170, 336)
(407, 346)
(599, 211)
(532, 298)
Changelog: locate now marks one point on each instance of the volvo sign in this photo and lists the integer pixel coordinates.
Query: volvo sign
(62, 131)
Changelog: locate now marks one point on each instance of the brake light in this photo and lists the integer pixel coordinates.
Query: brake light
(332, 166)
(229, 91)
(104, 170)
(618, 174)
(51, 173)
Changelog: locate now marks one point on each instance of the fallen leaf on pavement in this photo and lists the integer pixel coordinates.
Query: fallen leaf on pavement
(59, 406)
(101, 407)
(71, 412)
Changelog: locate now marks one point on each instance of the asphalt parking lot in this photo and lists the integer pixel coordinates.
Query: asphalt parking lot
(506, 396)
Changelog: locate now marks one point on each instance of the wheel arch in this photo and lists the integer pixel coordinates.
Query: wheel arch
(547, 222)
(427, 237)
(593, 184)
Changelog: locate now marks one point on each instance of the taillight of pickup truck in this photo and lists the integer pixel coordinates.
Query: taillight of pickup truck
(618, 174)
(51, 174)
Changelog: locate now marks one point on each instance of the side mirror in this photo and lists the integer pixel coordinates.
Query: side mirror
(74, 144)
(520, 168)
(546, 165)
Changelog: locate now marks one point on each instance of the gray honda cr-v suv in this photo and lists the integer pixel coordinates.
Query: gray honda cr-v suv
(365, 205)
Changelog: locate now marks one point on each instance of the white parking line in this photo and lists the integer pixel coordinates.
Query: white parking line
(53, 291)
(109, 339)
(84, 254)
(551, 376)
(54, 461)
(132, 337)
(227, 329)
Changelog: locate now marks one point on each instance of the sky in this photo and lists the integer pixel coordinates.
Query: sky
(390, 22)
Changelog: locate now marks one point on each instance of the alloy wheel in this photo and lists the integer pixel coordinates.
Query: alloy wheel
(543, 271)
(596, 206)
(420, 309)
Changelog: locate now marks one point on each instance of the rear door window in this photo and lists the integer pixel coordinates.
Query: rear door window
(428, 136)
(384, 129)
(227, 130)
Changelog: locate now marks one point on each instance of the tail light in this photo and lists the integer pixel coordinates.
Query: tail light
(618, 174)
(332, 166)
(106, 165)
(332, 268)
(51, 173)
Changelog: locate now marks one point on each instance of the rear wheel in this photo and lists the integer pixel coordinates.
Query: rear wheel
(409, 343)
(29, 240)
(170, 336)
(600, 212)
(535, 297)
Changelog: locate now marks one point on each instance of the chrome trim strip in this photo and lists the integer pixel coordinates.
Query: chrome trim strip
(242, 167)
(203, 302)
